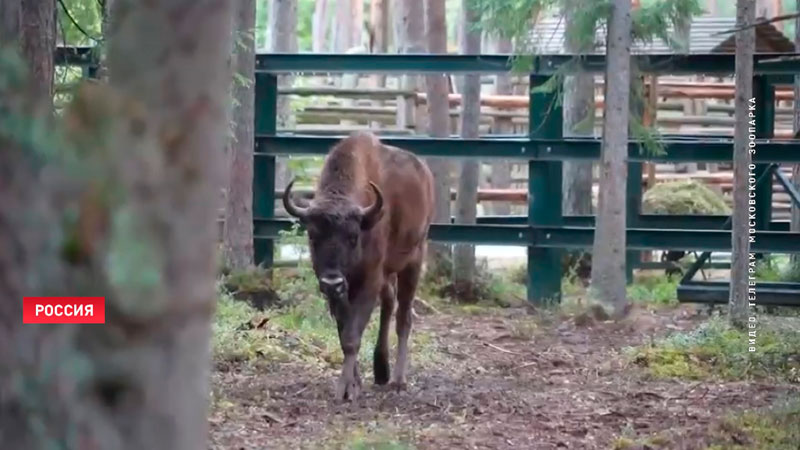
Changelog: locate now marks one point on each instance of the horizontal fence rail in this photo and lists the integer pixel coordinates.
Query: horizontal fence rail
(545, 231)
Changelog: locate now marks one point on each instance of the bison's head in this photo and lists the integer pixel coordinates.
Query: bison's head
(335, 226)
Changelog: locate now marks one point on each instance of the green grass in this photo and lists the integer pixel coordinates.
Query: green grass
(777, 268)
(373, 435)
(773, 428)
(656, 290)
(716, 350)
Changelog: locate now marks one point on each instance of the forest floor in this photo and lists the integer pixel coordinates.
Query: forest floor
(496, 378)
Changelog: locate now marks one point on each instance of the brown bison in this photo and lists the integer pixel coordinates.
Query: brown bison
(367, 228)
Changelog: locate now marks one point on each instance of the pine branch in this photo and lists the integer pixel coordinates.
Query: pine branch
(760, 22)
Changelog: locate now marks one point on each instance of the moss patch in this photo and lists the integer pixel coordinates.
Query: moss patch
(775, 428)
(683, 197)
(715, 350)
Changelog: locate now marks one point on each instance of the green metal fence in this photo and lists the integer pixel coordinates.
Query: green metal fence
(545, 231)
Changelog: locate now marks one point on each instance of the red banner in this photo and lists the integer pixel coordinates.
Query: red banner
(63, 310)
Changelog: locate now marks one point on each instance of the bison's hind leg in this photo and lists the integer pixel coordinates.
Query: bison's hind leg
(380, 359)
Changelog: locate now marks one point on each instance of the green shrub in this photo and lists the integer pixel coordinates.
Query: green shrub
(716, 350)
(683, 197)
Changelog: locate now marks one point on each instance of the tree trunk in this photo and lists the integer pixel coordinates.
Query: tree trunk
(283, 25)
(608, 272)
(38, 44)
(745, 47)
(578, 109)
(343, 29)
(795, 223)
(467, 199)
(379, 17)
(501, 170)
(10, 22)
(410, 27)
(357, 30)
(238, 231)
(106, 7)
(144, 162)
(438, 126)
(319, 30)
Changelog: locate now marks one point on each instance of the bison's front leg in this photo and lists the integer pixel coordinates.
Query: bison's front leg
(351, 327)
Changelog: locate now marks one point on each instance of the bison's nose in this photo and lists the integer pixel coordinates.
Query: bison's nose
(332, 284)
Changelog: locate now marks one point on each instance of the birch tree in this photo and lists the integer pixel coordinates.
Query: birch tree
(115, 199)
(238, 229)
(745, 48)
(467, 198)
(608, 251)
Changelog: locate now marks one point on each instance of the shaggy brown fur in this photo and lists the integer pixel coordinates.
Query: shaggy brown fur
(367, 228)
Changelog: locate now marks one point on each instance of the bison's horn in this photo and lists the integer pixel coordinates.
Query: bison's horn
(289, 205)
(370, 213)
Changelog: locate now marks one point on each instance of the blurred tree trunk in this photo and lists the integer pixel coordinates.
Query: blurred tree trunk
(38, 44)
(745, 47)
(319, 27)
(795, 224)
(608, 252)
(438, 126)
(467, 199)
(343, 28)
(501, 170)
(105, 20)
(409, 24)
(379, 23)
(238, 230)
(117, 206)
(357, 30)
(10, 22)
(283, 26)
(578, 109)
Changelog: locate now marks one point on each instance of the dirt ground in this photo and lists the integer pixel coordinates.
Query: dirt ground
(498, 382)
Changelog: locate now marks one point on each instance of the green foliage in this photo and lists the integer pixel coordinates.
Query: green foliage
(777, 268)
(654, 290)
(716, 350)
(683, 197)
(88, 16)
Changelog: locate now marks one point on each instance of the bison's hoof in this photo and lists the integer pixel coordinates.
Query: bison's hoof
(348, 390)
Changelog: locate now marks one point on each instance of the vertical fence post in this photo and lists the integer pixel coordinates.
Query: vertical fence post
(764, 92)
(544, 195)
(266, 104)
(633, 209)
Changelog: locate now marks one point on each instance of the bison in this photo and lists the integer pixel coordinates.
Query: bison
(367, 230)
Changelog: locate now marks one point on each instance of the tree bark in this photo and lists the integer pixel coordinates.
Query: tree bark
(144, 160)
(238, 230)
(467, 198)
(410, 28)
(10, 22)
(501, 170)
(795, 223)
(745, 47)
(343, 29)
(319, 27)
(578, 109)
(283, 25)
(608, 272)
(438, 126)
(38, 45)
